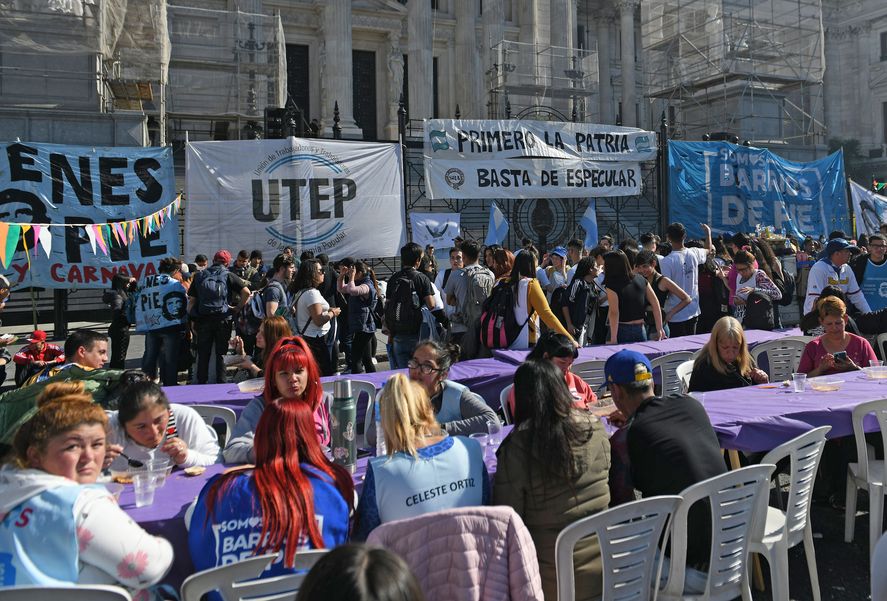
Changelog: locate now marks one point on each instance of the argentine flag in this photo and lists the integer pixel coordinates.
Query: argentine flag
(589, 224)
(498, 227)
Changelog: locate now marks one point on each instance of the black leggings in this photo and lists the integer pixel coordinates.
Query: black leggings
(362, 353)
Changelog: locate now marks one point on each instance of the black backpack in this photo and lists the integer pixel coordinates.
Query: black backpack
(498, 325)
(212, 291)
(403, 311)
(758, 312)
(787, 287)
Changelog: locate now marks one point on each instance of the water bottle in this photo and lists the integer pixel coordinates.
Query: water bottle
(381, 450)
(344, 414)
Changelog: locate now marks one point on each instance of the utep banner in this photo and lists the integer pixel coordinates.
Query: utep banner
(870, 209)
(437, 229)
(59, 184)
(533, 159)
(335, 197)
(734, 188)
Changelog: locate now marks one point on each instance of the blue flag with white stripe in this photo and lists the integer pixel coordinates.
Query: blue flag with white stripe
(498, 227)
(589, 224)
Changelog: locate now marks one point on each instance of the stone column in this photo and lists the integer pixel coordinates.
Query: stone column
(395, 82)
(338, 79)
(626, 23)
(561, 36)
(468, 80)
(421, 67)
(493, 34)
(604, 21)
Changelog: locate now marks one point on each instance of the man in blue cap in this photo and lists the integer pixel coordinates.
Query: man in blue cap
(833, 269)
(670, 442)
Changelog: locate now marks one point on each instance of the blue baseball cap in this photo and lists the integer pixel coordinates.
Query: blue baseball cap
(626, 367)
(560, 251)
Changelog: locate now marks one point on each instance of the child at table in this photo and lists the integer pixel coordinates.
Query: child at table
(293, 499)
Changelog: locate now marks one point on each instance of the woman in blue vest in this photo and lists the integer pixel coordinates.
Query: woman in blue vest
(293, 499)
(425, 469)
(58, 526)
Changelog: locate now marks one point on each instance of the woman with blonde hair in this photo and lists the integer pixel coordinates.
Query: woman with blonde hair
(724, 362)
(425, 469)
(836, 350)
(58, 526)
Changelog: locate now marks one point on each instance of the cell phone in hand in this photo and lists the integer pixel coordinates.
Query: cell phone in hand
(841, 356)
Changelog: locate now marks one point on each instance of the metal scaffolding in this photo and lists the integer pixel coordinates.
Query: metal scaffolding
(753, 68)
(527, 75)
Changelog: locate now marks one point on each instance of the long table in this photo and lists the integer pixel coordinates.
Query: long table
(165, 516)
(761, 417)
(486, 377)
(652, 349)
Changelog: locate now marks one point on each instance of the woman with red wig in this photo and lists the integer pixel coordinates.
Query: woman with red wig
(291, 374)
(293, 499)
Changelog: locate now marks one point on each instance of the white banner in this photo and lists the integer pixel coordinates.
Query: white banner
(869, 208)
(436, 229)
(519, 159)
(341, 198)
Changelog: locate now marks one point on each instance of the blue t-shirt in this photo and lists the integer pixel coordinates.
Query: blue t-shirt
(237, 522)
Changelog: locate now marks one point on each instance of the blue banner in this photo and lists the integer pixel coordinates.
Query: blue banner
(160, 302)
(735, 188)
(84, 213)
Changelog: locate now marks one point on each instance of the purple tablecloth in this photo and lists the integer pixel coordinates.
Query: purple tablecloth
(486, 377)
(166, 516)
(759, 419)
(652, 349)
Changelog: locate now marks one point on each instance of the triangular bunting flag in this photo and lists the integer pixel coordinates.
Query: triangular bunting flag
(90, 233)
(100, 240)
(4, 232)
(36, 238)
(12, 238)
(106, 232)
(25, 230)
(44, 238)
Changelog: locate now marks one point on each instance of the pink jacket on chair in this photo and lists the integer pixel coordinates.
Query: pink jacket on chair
(469, 554)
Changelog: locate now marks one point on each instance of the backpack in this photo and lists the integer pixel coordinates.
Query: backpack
(212, 291)
(498, 325)
(479, 285)
(758, 312)
(787, 286)
(403, 311)
(252, 314)
(430, 328)
(558, 298)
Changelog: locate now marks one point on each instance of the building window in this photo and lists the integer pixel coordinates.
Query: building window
(434, 88)
(298, 84)
(884, 120)
(364, 92)
(435, 4)
(884, 45)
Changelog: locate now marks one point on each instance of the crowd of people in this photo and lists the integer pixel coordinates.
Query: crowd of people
(286, 494)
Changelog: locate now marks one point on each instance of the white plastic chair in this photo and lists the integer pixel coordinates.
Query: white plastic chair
(629, 538)
(668, 364)
(867, 474)
(684, 371)
(74, 592)
(503, 400)
(785, 529)
(591, 371)
(734, 498)
(881, 345)
(878, 571)
(240, 580)
(783, 356)
(210, 413)
(358, 387)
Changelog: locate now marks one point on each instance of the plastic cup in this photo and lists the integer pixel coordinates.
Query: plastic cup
(494, 429)
(799, 381)
(876, 363)
(158, 467)
(699, 396)
(481, 438)
(144, 484)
